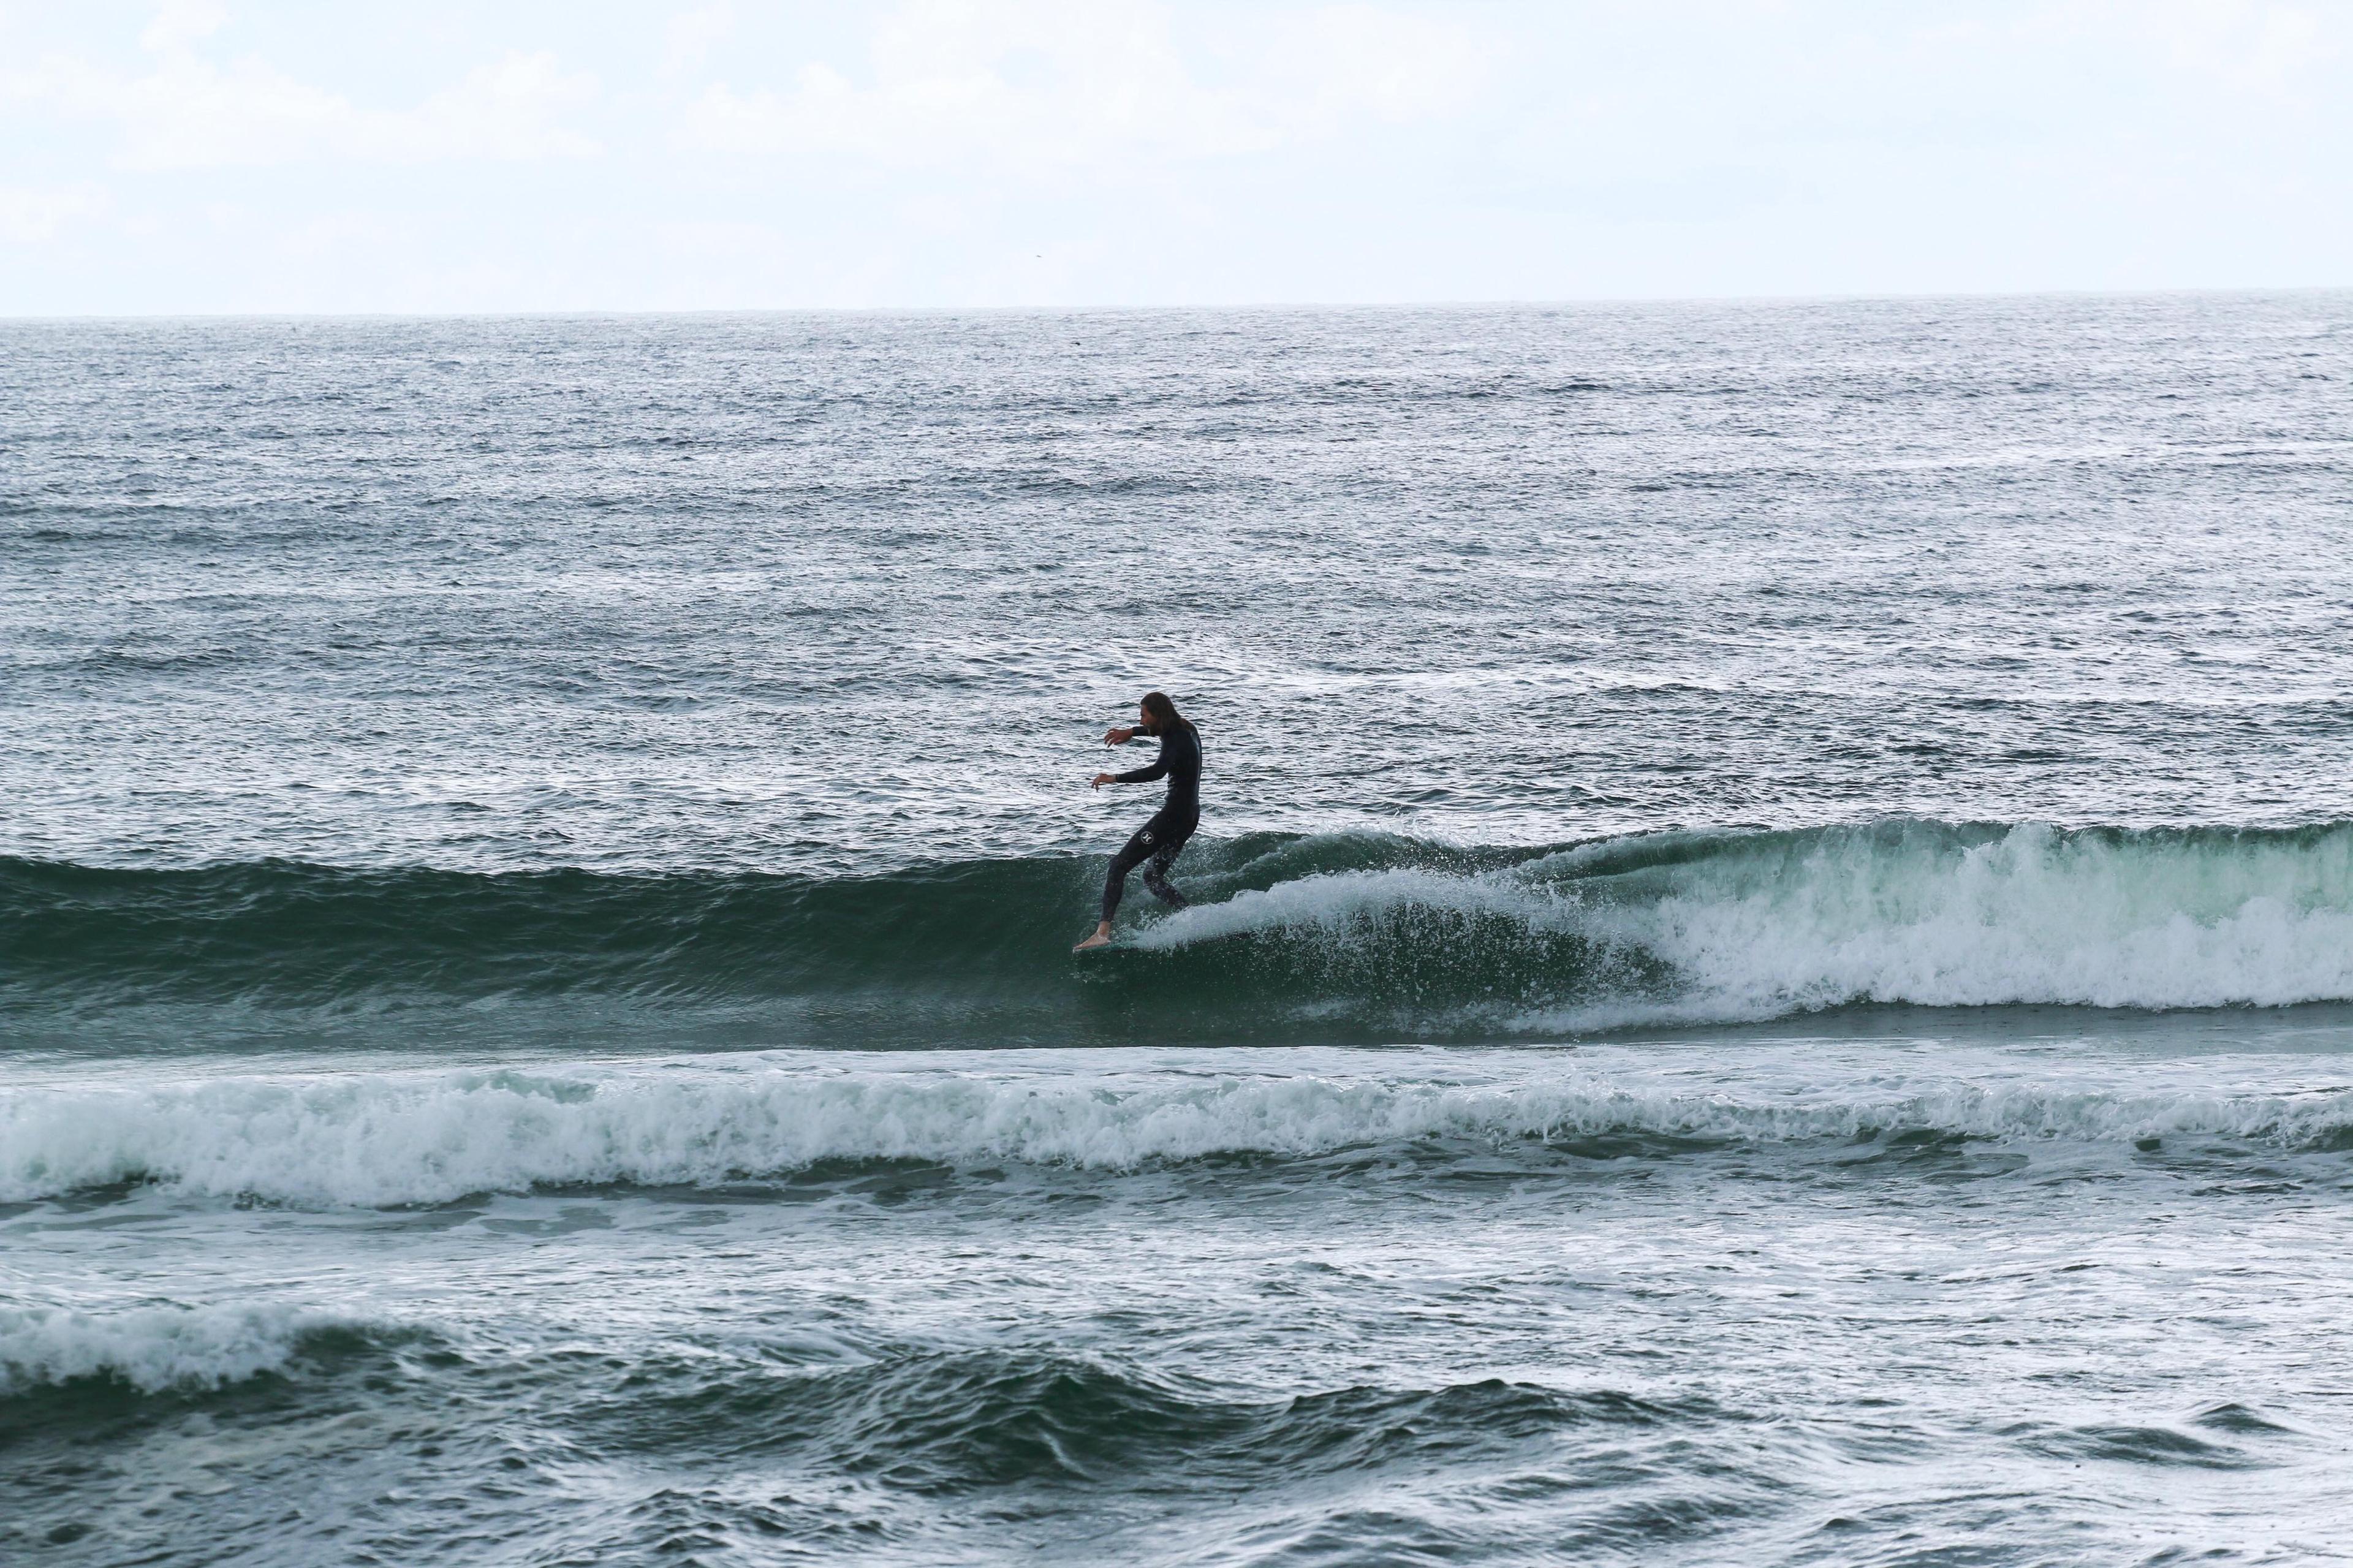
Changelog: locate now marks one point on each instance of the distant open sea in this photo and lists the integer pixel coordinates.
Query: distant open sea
(1770, 979)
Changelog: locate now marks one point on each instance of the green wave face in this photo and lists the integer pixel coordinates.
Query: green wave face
(1330, 936)
(951, 950)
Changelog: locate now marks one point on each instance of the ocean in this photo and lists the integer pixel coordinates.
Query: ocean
(1769, 977)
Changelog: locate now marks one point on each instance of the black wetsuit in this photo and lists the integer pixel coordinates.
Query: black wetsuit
(1159, 839)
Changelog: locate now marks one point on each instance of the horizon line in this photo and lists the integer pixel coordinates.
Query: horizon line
(1565, 303)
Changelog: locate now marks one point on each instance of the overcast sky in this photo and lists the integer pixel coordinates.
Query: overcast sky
(425, 156)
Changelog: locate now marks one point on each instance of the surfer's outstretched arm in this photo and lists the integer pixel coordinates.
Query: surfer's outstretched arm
(1158, 768)
(1155, 769)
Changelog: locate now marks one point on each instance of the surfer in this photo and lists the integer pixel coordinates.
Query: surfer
(1160, 840)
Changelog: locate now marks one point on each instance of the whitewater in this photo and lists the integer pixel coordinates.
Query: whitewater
(389, 1139)
(1768, 979)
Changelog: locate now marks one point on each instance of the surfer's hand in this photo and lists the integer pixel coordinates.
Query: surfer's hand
(1101, 780)
(1118, 737)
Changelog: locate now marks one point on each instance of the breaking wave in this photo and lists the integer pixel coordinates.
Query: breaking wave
(1332, 934)
(395, 1139)
(152, 1349)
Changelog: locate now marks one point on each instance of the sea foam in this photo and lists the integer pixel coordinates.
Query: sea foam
(392, 1139)
(155, 1348)
(1729, 927)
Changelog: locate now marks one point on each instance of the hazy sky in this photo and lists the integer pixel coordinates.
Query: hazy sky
(199, 157)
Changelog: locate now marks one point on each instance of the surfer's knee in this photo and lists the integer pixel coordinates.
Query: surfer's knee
(1156, 878)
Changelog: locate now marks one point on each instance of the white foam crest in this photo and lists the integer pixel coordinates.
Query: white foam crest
(1918, 913)
(1334, 900)
(2035, 916)
(406, 1139)
(154, 1348)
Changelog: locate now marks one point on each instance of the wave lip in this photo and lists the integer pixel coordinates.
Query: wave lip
(395, 1139)
(154, 1349)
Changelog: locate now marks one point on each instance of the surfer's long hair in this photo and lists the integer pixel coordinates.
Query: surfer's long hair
(1164, 717)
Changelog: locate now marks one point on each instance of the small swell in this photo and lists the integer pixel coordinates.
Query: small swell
(950, 1420)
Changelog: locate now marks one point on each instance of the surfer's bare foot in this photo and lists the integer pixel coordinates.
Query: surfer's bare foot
(1102, 938)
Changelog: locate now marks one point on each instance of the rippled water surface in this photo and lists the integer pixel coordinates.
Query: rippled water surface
(1770, 977)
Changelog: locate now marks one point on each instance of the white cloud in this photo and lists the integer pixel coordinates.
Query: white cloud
(36, 214)
(510, 109)
(1343, 62)
(192, 113)
(181, 23)
(2255, 50)
(2247, 45)
(689, 36)
(1053, 85)
(1040, 86)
